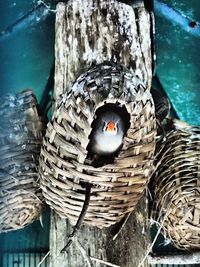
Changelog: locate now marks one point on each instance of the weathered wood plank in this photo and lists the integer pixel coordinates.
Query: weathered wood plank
(127, 250)
(89, 32)
(183, 259)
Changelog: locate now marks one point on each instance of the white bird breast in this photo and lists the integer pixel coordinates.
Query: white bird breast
(107, 143)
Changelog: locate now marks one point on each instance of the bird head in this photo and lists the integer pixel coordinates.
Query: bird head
(110, 127)
(108, 132)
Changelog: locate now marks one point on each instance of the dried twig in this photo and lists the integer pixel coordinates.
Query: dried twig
(104, 262)
(80, 218)
(121, 226)
(89, 259)
(86, 257)
(155, 238)
(44, 258)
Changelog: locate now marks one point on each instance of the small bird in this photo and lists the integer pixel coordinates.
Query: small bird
(107, 134)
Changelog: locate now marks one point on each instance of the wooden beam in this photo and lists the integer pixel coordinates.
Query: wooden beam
(184, 259)
(127, 250)
(89, 32)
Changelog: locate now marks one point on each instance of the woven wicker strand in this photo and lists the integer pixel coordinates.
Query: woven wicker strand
(177, 187)
(20, 141)
(64, 168)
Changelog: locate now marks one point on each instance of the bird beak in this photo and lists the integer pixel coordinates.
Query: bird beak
(110, 126)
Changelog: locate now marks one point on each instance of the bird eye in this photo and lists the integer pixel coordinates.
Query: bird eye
(104, 126)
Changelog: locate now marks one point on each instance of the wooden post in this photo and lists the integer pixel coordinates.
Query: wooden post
(89, 32)
(127, 250)
(183, 259)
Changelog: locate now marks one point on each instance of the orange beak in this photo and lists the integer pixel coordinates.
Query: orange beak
(110, 126)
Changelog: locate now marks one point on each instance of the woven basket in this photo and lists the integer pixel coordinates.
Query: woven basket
(177, 187)
(64, 167)
(20, 142)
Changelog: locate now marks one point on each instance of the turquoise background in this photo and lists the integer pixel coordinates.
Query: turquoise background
(178, 61)
(27, 55)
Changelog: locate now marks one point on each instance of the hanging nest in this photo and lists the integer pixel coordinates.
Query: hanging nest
(20, 143)
(177, 186)
(64, 165)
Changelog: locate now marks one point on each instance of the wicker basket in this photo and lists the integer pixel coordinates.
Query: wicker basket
(177, 192)
(20, 142)
(64, 167)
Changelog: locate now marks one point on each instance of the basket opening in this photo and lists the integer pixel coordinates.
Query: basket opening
(98, 161)
(118, 108)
